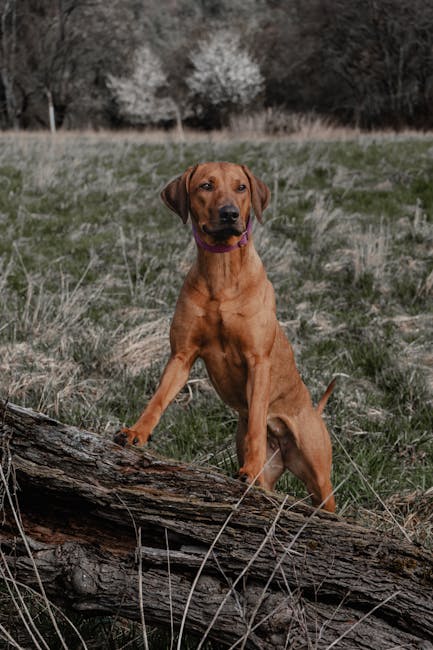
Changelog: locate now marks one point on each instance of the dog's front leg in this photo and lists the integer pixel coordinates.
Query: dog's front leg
(254, 443)
(172, 381)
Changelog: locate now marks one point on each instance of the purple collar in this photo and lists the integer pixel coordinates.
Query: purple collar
(221, 248)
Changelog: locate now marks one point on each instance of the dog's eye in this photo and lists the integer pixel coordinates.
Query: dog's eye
(206, 186)
(242, 188)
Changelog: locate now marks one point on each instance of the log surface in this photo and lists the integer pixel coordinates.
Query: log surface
(267, 572)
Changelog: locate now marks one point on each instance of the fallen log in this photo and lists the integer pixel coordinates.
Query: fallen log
(123, 532)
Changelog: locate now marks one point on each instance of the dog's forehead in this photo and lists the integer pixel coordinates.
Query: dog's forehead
(219, 171)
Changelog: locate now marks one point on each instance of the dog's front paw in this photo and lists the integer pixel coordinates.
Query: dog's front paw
(128, 436)
(251, 475)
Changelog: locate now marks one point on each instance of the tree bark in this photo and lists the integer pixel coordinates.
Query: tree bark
(245, 567)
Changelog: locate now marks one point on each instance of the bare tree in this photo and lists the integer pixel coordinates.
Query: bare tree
(8, 35)
(366, 63)
(62, 49)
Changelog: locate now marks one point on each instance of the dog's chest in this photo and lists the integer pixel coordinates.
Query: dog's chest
(223, 352)
(222, 338)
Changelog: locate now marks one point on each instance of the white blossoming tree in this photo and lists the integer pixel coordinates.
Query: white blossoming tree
(225, 79)
(142, 98)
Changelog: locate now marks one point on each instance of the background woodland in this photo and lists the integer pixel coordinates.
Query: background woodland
(198, 63)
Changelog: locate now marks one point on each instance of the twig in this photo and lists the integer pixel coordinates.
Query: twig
(206, 557)
(363, 619)
(140, 592)
(400, 527)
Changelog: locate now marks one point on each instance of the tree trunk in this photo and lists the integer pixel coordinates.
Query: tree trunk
(123, 532)
(8, 37)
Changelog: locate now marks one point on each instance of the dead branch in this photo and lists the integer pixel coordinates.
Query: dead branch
(217, 559)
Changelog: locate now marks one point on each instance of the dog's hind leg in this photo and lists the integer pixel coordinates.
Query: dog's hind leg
(306, 452)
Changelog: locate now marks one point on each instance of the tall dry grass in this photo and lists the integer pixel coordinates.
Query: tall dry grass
(91, 265)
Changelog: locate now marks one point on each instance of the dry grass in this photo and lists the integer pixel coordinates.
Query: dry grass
(91, 265)
(142, 346)
(269, 125)
(371, 252)
(413, 512)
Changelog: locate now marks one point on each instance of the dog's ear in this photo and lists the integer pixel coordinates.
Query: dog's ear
(260, 193)
(176, 194)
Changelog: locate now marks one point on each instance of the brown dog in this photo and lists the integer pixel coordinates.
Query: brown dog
(226, 315)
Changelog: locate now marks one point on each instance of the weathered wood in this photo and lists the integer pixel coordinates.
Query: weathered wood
(276, 574)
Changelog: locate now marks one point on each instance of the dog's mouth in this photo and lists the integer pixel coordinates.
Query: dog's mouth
(223, 233)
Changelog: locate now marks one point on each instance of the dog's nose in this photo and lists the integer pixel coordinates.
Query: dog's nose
(228, 214)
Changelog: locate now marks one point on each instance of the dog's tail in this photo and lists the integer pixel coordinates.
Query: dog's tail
(322, 402)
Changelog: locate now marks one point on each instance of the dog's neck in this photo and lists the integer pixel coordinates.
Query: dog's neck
(225, 275)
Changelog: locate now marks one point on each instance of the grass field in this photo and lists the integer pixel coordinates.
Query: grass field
(91, 264)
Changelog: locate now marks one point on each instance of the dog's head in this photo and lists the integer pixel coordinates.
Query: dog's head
(219, 197)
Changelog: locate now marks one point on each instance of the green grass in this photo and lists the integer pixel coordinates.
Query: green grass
(91, 264)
